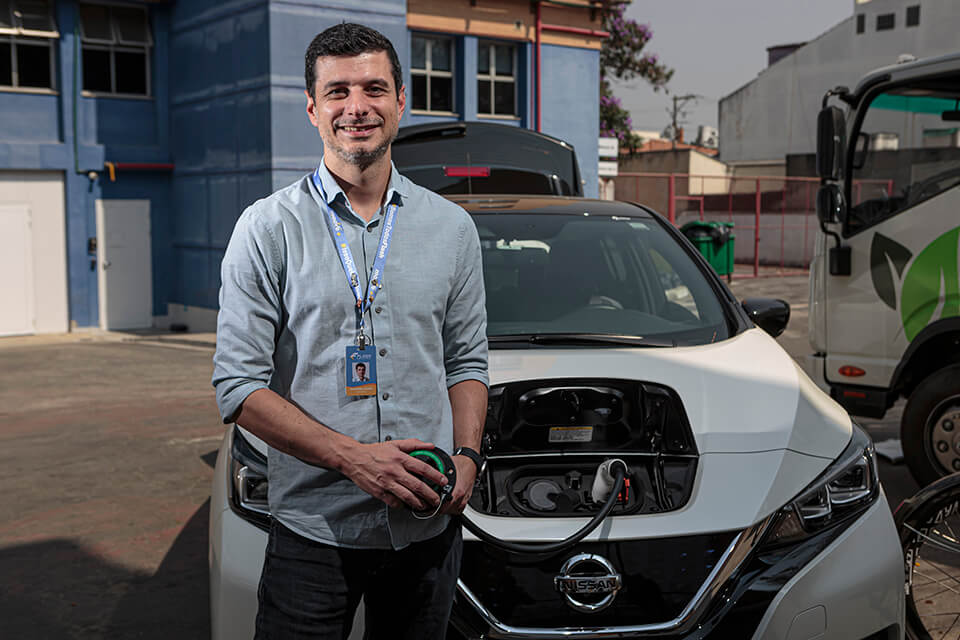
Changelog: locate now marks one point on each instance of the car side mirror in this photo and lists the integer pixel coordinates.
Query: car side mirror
(831, 140)
(830, 204)
(770, 314)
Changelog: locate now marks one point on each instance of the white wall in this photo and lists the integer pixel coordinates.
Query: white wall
(776, 114)
(42, 193)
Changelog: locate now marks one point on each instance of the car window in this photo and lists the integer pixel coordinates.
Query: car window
(489, 180)
(566, 274)
(673, 285)
(907, 151)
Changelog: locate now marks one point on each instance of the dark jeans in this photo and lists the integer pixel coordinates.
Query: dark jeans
(311, 590)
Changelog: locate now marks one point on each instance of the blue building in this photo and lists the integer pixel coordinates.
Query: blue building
(133, 134)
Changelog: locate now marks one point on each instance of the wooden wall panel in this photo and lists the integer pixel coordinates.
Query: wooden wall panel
(505, 19)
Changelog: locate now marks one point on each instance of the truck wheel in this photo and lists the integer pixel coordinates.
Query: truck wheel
(930, 428)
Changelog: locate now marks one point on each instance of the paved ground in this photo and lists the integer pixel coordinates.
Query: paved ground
(107, 443)
(106, 450)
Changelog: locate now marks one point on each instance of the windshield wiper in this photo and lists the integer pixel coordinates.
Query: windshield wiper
(582, 338)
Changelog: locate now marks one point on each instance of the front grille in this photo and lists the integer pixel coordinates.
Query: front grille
(659, 576)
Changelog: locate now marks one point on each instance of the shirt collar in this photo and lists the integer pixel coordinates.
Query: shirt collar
(396, 187)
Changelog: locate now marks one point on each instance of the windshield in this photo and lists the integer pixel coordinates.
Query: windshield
(907, 150)
(568, 275)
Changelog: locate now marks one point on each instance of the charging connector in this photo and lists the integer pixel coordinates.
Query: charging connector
(604, 481)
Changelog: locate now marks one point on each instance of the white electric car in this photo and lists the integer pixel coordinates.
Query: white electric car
(751, 507)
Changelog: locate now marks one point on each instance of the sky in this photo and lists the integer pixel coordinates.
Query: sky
(715, 47)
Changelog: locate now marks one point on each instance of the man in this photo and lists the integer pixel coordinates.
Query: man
(355, 263)
(360, 373)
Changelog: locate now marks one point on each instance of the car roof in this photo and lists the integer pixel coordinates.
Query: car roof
(435, 130)
(562, 205)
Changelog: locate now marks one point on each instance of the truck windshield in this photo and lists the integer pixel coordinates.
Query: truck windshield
(587, 280)
(907, 150)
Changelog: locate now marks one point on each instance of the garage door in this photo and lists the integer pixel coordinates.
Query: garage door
(33, 259)
(16, 267)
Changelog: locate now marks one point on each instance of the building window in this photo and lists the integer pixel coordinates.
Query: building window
(886, 21)
(497, 79)
(913, 15)
(431, 73)
(27, 35)
(116, 49)
(861, 23)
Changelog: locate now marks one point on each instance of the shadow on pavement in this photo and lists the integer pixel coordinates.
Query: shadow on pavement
(58, 589)
(210, 458)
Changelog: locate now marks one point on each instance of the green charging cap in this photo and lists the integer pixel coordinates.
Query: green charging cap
(430, 456)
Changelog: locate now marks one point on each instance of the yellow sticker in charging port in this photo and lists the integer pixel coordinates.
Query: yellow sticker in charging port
(570, 434)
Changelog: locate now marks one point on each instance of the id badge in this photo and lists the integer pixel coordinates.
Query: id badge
(361, 371)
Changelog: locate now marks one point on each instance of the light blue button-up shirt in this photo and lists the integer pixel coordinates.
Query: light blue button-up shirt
(287, 315)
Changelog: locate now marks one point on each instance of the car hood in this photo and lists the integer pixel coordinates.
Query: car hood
(741, 395)
(763, 429)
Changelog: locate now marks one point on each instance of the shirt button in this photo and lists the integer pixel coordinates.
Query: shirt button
(383, 352)
(369, 229)
(385, 396)
(387, 438)
(378, 309)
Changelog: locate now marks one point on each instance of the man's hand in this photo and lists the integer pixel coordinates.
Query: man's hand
(466, 476)
(388, 472)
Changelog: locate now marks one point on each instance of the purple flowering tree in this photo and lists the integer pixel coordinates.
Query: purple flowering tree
(622, 57)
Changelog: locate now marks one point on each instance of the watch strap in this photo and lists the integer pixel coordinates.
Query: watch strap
(473, 455)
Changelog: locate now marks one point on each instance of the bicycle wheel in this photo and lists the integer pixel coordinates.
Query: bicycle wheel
(929, 529)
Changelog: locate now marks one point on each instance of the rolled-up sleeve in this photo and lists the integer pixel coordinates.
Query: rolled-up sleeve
(465, 324)
(250, 313)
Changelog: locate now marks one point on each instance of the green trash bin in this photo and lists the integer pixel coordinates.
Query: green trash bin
(715, 241)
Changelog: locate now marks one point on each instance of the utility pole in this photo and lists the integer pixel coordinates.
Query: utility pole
(677, 113)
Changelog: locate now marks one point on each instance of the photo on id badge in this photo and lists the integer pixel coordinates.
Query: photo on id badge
(361, 371)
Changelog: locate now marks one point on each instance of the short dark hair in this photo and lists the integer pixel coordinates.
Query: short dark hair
(348, 39)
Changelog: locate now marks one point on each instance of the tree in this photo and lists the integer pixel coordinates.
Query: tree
(622, 58)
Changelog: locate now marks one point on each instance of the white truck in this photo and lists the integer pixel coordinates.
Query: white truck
(885, 277)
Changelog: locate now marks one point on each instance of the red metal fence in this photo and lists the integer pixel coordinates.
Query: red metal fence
(774, 217)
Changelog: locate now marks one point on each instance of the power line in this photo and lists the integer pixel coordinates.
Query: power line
(677, 113)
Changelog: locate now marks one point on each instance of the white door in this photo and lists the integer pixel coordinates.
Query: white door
(16, 271)
(124, 276)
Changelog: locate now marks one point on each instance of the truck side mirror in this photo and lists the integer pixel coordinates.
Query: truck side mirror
(830, 204)
(831, 140)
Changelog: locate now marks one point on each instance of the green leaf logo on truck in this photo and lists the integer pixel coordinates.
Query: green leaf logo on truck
(930, 290)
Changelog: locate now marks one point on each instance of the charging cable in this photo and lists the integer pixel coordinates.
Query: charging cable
(608, 483)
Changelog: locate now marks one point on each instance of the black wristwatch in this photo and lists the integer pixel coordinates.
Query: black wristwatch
(477, 459)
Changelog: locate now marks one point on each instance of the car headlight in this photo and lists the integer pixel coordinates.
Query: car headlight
(841, 493)
(247, 483)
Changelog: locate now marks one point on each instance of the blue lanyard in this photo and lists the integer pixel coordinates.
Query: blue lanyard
(375, 282)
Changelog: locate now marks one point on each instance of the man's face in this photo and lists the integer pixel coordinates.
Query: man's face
(361, 370)
(355, 106)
